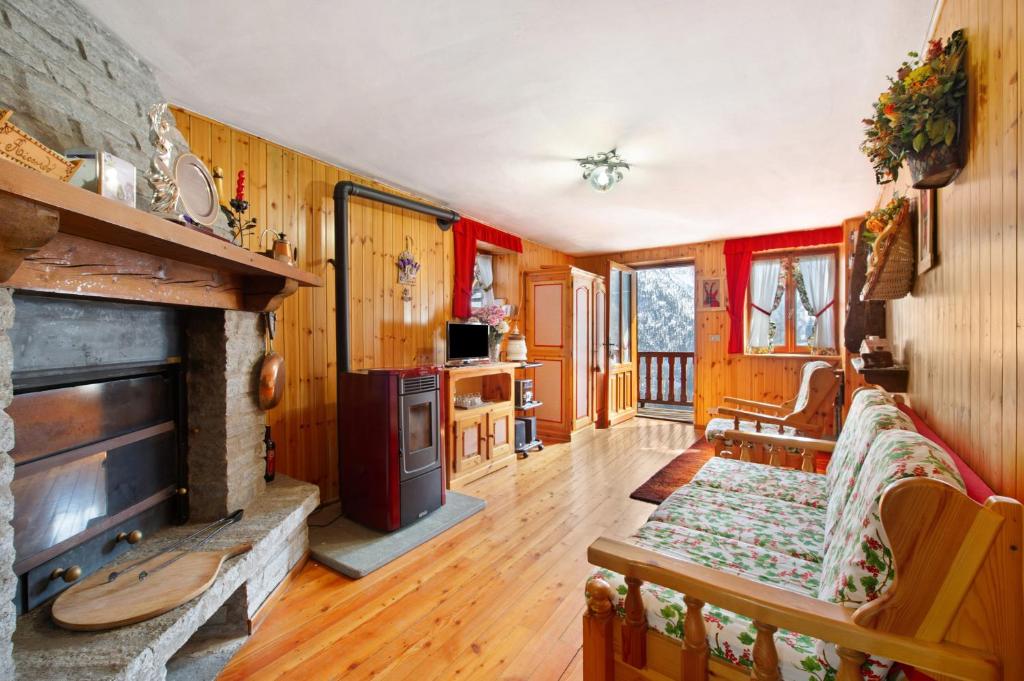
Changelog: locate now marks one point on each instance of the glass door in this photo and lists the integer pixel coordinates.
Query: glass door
(622, 359)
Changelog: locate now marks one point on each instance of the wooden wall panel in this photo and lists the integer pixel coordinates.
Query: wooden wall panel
(292, 192)
(961, 329)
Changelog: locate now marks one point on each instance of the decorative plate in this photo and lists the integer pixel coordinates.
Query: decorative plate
(198, 192)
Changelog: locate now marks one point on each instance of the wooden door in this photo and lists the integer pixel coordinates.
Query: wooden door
(501, 432)
(622, 358)
(582, 351)
(471, 449)
(600, 354)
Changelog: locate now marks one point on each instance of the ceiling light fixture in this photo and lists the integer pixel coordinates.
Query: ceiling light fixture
(603, 171)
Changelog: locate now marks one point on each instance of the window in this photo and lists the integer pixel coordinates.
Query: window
(791, 304)
(483, 281)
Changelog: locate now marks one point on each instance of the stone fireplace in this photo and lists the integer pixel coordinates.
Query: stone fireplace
(72, 84)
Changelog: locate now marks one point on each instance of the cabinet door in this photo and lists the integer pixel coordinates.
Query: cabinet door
(470, 444)
(501, 432)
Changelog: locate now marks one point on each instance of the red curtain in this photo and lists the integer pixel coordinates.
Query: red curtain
(738, 254)
(467, 233)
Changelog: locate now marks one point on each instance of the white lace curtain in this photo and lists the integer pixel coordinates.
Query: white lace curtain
(483, 281)
(764, 284)
(819, 275)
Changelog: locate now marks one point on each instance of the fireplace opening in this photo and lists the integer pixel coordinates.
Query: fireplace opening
(100, 420)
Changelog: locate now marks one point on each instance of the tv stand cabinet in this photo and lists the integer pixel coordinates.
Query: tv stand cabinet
(480, 439)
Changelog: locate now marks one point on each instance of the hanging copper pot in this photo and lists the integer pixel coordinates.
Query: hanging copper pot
(272, 370)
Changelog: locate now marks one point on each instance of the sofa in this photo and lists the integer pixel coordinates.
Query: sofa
(796, 545)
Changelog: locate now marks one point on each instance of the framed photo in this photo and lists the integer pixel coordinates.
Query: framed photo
(926, 229)
(710, 294)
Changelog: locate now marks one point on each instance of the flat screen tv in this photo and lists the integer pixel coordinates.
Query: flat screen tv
(467, 342)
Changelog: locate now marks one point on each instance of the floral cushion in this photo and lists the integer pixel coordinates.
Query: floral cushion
(779, 526)
(862, 400)
(858, 565)
(850, 452)
(731, 636)
(785, 484)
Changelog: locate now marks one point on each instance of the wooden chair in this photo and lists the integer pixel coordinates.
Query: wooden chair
(800, 415)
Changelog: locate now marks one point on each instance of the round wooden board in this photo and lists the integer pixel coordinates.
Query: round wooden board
(95, 603)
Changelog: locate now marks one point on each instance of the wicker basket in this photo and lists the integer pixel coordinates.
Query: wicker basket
(892, 262)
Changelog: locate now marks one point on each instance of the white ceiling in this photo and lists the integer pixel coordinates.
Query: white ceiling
(738, 117)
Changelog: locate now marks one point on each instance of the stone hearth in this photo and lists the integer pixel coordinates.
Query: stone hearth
(72, 84)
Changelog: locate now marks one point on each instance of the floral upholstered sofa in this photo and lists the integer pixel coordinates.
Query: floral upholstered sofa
(818, 536)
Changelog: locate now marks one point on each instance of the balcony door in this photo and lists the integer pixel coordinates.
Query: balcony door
(621, 382)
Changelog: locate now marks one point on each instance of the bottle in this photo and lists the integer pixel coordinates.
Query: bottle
(271, 457)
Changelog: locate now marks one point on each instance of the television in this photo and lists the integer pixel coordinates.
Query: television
(467, 342)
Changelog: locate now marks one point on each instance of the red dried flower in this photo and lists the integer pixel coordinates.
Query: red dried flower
(240, 186)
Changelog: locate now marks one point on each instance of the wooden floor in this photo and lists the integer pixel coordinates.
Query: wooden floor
(497, 597)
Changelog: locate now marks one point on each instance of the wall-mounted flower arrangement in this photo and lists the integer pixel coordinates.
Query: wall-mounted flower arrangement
(408, 268)
(919, 118)
(891, 262)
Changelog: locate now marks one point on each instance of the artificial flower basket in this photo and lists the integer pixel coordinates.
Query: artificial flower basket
(918, 120)
(892, 262)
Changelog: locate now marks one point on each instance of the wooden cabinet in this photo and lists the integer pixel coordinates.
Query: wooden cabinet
(561, 331)
(481, 438)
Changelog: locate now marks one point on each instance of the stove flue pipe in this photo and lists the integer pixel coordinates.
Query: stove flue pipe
(342, 192)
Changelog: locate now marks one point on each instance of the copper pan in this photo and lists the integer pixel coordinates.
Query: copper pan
(272, 370)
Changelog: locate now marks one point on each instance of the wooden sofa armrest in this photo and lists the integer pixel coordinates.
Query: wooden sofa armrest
(753, 404)
(771, 608)
(778, 440)
(745, 415)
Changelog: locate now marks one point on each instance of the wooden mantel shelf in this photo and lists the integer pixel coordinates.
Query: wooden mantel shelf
(58, 238)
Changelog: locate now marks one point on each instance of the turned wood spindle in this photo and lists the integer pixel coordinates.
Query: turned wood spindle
(776, 455)
(634, 628)
(695, 640)
(851, 663)
(766, 657)
(598, 630)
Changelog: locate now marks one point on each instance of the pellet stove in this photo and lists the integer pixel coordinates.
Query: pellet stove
(390, 452)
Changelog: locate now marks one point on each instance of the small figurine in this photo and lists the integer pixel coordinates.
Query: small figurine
(165, 189)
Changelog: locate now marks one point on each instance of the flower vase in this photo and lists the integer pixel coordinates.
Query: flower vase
(494, 351)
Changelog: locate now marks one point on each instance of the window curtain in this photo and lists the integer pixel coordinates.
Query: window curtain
(764, 298)
(466, 233)
(819, 275)
(738, 256)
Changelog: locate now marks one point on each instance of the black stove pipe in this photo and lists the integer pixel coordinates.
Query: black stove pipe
(342, 192)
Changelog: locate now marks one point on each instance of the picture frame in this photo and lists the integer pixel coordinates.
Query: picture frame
(710, 294)
(926, 229)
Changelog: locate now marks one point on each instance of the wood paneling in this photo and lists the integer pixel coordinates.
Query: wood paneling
(768, 379)
(960, 331)
(292, 192)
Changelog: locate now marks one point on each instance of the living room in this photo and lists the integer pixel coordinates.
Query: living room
(533, 341)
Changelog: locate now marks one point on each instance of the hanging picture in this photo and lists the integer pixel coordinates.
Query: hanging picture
(710, 294)
(926, 232)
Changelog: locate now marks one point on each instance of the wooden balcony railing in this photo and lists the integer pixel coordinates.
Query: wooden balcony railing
(664, 378)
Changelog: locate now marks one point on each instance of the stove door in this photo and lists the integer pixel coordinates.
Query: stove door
(418, 437)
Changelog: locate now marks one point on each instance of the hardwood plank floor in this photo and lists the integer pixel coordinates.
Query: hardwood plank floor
(497, 597)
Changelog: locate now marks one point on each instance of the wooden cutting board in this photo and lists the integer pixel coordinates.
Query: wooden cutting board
(96, 603)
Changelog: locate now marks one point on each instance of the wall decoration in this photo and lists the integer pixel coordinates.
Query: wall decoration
(926, 229)
(19, 147)
(408, 268)
(891, 266)
(918, 119)
(710, 294)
